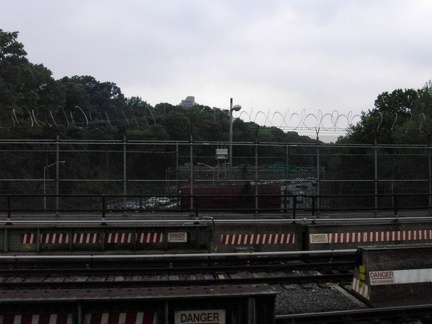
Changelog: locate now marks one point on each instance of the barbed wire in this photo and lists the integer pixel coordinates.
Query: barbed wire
(302, 121)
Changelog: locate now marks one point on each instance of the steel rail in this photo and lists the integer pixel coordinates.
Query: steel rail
(245, 254)
(396, 312)
(169, 268)
(305, 220)
(164, 280)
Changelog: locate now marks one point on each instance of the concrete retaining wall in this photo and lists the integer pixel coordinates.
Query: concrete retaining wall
(257, 237)
(394, 275)
(188, 238)
(351, 236)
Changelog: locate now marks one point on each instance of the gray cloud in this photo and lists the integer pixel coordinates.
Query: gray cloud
(279, 55)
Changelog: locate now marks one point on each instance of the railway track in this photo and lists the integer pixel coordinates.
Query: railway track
(55, 282)
(404, 314)
(292, 275)
(54, 275)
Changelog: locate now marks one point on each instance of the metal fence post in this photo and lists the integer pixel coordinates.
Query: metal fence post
(8, 210)
(376, 175)
(103, 210)
(191, 172)
(430, 180)
(256, 171)
(318, 168)
(395, 197)
(124, 170)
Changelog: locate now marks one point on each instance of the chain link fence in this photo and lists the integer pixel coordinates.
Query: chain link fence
(155, 175)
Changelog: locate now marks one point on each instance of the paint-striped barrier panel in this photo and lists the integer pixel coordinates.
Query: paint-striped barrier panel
(92, 238)
(45, 238)
(28, 238)
(118, 238)
(54, 238)
(241, 239)
(149, 237)
(121, 318)
(370, 237)
(126, 237)
(86, 238)
(37, 319)
(361, 288)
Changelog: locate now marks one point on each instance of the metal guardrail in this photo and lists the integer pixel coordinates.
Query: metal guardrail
(287, 206)
(138, 257)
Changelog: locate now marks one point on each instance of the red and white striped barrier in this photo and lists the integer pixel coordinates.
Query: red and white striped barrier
(240, 239)
(121, 318)
(54, 238)
(86, 238)
(118, 238)
(37, 319)
(28, 238)
(371, 237)
(92, 238)
(149, 237)
(361, 288)
(45, 238)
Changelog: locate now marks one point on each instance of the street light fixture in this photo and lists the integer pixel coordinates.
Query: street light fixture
(44, 184)
(232, 108)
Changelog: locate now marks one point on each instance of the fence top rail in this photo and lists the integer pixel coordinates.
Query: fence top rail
(281, 195)
(213, 143)
(170, 255)
(211, 220)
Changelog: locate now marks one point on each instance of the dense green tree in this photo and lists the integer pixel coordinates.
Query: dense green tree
(26, 90)
(10, 48)
(95, 101)
(140, 111)
(421, 124)
(34, 105)
(399, 117)
(392, 113)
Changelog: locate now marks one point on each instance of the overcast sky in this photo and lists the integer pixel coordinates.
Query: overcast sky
(280, 58)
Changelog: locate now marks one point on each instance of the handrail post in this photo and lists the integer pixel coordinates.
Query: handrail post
(103, 210)
(395, 197)
(8, 210)
(313, 205)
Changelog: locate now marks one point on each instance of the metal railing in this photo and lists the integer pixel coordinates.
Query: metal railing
(310, 178)
(278, 205)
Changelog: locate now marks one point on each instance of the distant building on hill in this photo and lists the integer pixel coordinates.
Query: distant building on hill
(188, 102)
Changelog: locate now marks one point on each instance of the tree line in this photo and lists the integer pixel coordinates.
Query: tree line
(34, 105)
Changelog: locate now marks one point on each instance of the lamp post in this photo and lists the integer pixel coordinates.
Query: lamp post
(44, 184)
(232, 108)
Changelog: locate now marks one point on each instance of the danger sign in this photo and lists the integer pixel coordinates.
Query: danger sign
(319, 238)
(200, 317)
(381, 277)
(177, 237)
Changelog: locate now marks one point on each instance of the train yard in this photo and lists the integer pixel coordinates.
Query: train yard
(244, 270)
(158, 232)
(58, 272)
(308, 289)
(286, 276)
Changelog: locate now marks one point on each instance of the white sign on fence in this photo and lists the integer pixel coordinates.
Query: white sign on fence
(320, 238)
(177, 237)
(216, 316)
